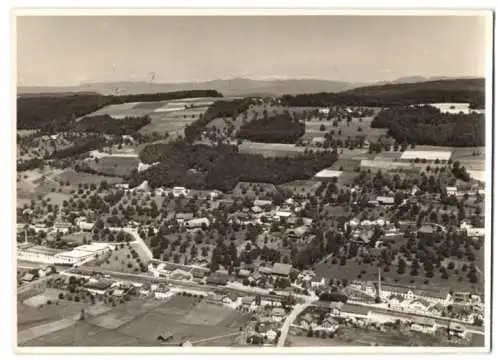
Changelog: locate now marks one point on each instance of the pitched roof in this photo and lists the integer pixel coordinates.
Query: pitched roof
(282, 269)
(354, 309)
(426, 229)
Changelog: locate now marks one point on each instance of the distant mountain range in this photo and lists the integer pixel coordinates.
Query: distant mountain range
(229, 87)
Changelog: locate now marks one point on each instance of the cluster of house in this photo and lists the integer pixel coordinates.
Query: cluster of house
(408, 293)
(460, 190)
(176, 191)
(473, 232)
(361, 315)
(80, 223)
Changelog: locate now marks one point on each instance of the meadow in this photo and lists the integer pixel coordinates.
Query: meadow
(141, 322)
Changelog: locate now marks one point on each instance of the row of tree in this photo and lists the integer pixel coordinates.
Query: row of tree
(107, 125)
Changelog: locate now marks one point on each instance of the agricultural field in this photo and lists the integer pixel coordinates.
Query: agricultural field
(116, 166)
(140, 323)
(270, 150)
(172, 122)
(74, 178)
(168, 115)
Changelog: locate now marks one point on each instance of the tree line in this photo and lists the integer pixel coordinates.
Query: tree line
(456, 90)
(426, 125)
(54, 113)
(108, 125)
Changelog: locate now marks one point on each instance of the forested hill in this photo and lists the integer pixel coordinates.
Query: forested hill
(454, 90)
(54, 113)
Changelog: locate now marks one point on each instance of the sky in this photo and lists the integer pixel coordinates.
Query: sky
(69, 50)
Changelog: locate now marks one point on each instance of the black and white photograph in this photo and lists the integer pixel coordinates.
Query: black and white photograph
(240, 180)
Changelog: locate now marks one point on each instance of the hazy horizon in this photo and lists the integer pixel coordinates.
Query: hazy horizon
(67, 51)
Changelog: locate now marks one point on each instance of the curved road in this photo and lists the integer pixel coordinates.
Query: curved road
(297, 310)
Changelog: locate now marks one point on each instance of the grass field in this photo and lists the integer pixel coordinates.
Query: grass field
(173, 122)
(115, 165)
(75, 178)
(140, 323)
(302, 187)
(270, 150)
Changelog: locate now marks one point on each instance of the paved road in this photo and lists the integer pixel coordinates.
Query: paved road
(297, 310)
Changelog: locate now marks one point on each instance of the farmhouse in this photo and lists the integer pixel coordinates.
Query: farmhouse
(262, 203)
(280, 269)
(256, 209)
(62, 227)
(385, 200)
(28, 277)
(352, 311)
(85, 226)
(297, 233)
(318, 141)
(278, 314)
(99, 287)
(199, 272)
(457, 329)
(197, 223)
(324, 111)
(472, 231)
(426, 229)
(246, 302)
(183, 217)
(217, 280)
(451, 190)
(216, 299)
(422, 324)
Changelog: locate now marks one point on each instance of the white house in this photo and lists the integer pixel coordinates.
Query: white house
(271, 335)
(85, 226)
(197, 223)
(179, 190)
(451, 190)
(61, 227)
(278, 314)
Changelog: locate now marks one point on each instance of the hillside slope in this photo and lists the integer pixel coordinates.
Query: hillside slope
(438, 91)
